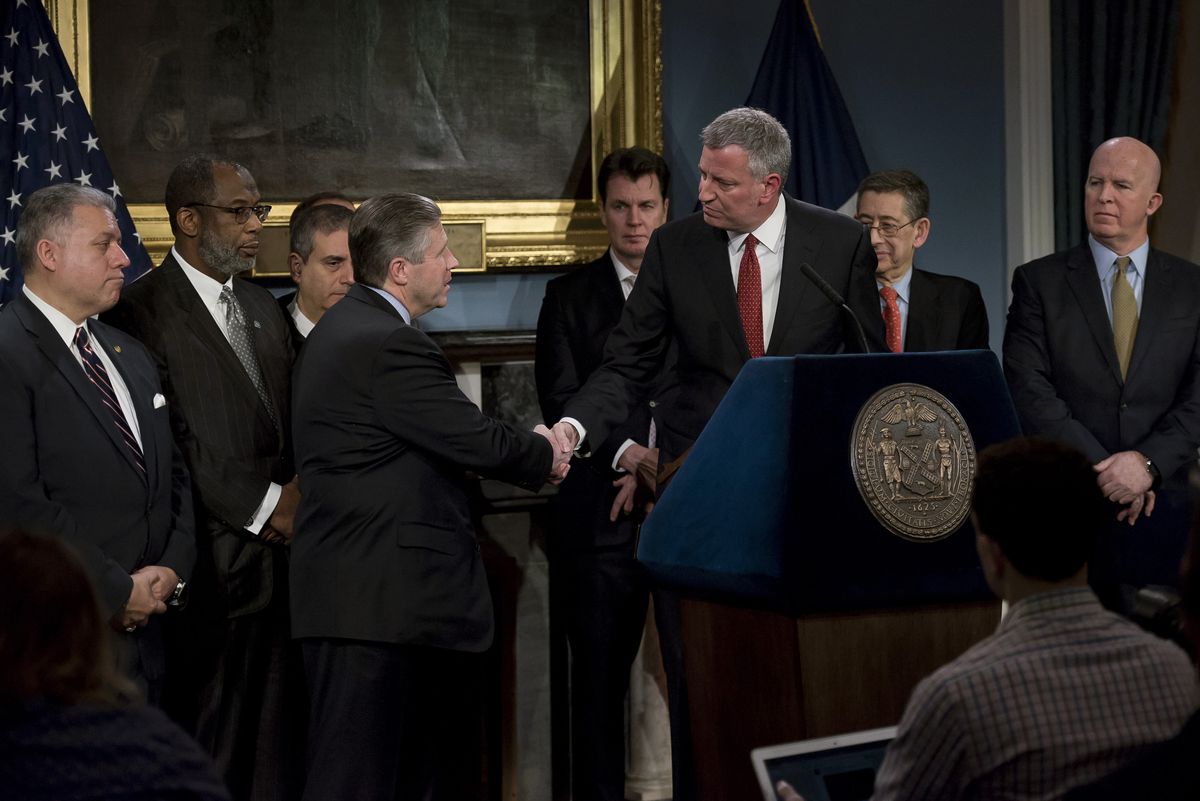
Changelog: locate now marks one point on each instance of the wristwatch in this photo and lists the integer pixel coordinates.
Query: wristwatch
(1155, 475)
(179, 597)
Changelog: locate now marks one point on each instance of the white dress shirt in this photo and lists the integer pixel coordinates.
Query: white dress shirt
(209, 291)
(770, 236)
(302, 323)
(66, 329)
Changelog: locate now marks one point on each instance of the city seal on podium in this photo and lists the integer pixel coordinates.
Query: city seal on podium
(913, 461)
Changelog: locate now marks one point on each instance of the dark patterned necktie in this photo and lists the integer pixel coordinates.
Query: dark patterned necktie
(749, 297)
(93, 368)
(891, 318)
(243, 345)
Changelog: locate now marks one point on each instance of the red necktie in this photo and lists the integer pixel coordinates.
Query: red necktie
(891, 319)
(749, 297)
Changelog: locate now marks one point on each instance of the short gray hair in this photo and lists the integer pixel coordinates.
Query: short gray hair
(763, 137)
(49, 213)
(389, 226)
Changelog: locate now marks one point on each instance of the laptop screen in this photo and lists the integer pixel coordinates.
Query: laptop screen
(838, 768)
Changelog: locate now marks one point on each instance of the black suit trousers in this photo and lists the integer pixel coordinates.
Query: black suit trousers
(391, 722)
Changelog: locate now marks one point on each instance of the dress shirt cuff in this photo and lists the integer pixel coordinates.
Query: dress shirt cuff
(265, 509)
(617, 458)
(581, 431)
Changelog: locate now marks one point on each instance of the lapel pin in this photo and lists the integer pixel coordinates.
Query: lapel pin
(257, 324)
(117, 348)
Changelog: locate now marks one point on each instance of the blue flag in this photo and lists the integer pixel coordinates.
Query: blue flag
(796, 86)
(46, 135)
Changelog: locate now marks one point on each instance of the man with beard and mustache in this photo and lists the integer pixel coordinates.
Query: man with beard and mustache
(224, 353)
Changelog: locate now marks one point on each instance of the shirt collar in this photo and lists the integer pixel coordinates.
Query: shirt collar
(209, 289)
(63, 325)
(901, 286)
(623, 272)
(770, 233)
(1104, 258)
(303, 324)
(394, 301)
(1053, 601)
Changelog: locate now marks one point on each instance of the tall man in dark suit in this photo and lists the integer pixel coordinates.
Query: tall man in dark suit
(224, 356)
(319, 260)
(1102, 351)
(88, 453)
(919, 310)
(600, 584)
(721, 287)
(390, 596)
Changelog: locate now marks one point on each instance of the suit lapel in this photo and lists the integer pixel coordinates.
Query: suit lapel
(202, 324)
(1157, 291)
(140, 394)
(712, 267)
(1081, 278)
(58, 354)
(922, 307)
(801, 245)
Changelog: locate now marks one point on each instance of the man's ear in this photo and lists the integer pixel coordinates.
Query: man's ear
(295, 264)
(922, 225)
(187, 220)
(772, 186)
(398, 271)
(47, 254)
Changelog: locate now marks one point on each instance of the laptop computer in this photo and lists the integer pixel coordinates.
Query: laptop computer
(840, 768)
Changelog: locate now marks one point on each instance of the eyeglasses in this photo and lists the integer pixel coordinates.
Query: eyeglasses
(240, 213)
(887, 229)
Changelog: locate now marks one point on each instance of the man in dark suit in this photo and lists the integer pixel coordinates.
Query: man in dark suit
(319, 261)
(918, 310)
(224, 356)
(390, 597)
(718, 288)
(599, 584)
(1102, 351)
(88, 453)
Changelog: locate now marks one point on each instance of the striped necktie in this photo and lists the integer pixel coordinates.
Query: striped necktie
(93, 368)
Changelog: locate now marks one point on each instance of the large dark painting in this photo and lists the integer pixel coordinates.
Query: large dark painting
(458, 100)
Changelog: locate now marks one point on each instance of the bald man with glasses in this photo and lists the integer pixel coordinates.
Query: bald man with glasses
(224, 353)
(919, 310)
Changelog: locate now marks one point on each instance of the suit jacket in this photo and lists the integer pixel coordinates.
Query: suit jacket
(1061, 363)
(65, 468)
(232, 447)
(579, 311)
(384, 548)
(945, 312)
(297, 337)
(684, 298)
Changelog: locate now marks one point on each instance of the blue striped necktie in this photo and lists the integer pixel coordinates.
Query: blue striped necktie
(93, 368)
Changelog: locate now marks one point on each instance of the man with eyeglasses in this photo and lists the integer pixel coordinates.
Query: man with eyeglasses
(919, 310)
(224, 352)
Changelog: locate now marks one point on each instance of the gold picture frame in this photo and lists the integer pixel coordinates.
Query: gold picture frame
(504, 234)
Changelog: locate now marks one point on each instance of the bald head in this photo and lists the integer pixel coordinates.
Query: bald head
(1122, 193)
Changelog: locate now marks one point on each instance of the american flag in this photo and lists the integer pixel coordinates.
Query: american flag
(46, 135)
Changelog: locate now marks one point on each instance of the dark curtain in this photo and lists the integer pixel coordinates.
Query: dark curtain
(1112, 62)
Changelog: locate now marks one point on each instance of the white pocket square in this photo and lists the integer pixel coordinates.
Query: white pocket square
(159, 400)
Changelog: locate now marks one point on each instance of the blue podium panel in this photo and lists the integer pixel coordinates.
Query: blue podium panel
(765, 512)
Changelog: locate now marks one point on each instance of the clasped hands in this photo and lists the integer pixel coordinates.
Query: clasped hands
(562, 439)
(152, 586)
(1124, 479)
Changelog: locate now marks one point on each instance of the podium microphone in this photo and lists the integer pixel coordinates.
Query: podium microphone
(836, 300)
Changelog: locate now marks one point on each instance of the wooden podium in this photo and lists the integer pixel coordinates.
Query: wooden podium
(802, 615)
